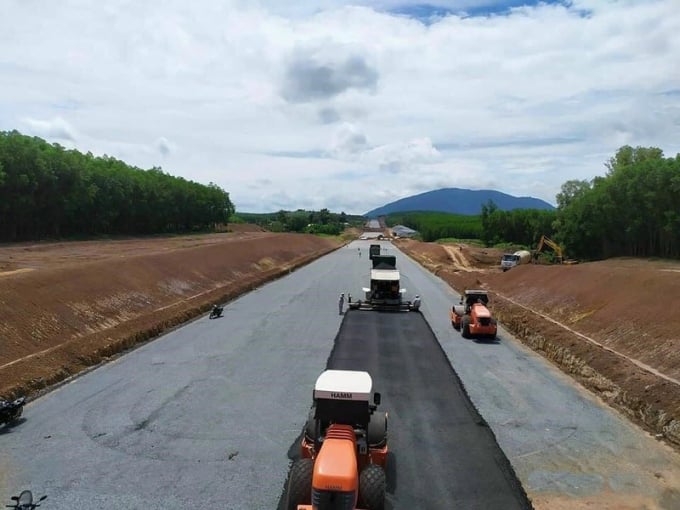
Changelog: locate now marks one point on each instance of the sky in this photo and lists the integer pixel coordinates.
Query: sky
(347, 105)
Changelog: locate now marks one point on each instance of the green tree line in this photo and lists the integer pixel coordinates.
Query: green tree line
(311, 222)
(634, 210)
(519, 226)
(47, 191)
(437, 225)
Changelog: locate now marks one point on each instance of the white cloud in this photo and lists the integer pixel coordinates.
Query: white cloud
(360, 105)
(348, 141)
(396, 158)
(53, 129)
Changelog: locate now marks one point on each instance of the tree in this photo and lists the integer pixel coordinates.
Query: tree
(487, 221)
(627, 156)
(570, 191)
(324, 216)
(297, 222)
(46, 190)
(632, 210)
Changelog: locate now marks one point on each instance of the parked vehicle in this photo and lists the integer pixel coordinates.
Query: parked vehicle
(511, 260)
(24, 501)
(11, 410)
(216, 312)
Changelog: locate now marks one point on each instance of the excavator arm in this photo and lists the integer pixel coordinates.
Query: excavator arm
(552, 244)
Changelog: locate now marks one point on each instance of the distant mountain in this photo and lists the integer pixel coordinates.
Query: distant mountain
(459, 201)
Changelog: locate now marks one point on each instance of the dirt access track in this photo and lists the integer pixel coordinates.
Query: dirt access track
(613, 325)
(67, 306)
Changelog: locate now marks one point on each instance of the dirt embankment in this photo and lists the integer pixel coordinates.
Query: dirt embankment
(611, 325)
(67, 306)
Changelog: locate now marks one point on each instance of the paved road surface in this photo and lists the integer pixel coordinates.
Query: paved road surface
(569, 449)
(443, 454)
(211, 410)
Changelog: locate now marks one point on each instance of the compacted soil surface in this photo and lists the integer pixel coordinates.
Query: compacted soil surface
(67, 306)
(613, 325)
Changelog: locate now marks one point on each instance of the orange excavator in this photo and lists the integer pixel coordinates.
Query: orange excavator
(344, 447)
(472, 317)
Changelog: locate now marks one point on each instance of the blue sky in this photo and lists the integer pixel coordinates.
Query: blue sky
(425, 12)
(347, 104)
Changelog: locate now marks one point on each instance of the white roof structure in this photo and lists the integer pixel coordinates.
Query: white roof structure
(403, 231)
(387, 275)
(343, 385)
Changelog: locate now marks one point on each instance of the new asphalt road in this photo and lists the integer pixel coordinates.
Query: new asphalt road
(209, 414)
(443, 454)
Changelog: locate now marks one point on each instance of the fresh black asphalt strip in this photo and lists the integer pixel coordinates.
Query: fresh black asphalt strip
(443, 455)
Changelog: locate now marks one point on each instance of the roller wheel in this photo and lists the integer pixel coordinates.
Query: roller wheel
(300, 484)
(377, 430)
(372, 484)
(465, 326)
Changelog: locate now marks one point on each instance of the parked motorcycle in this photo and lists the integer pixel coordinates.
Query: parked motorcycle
(11, 410)
(216, 312)
(24, 501)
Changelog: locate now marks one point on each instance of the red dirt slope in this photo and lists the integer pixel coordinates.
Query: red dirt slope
(65, 306)
(626, 305)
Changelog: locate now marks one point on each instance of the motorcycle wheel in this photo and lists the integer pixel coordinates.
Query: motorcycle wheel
(17, 414)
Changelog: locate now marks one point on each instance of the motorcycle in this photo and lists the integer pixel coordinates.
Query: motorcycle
(24, 501)
(216, 312)
(11, 410)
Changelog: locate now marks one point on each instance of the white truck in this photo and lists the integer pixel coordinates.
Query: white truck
(511, 260)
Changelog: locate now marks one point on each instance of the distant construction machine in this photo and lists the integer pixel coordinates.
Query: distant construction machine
(546, 241)
(511, 260)
(472, 316)
(385, 292)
